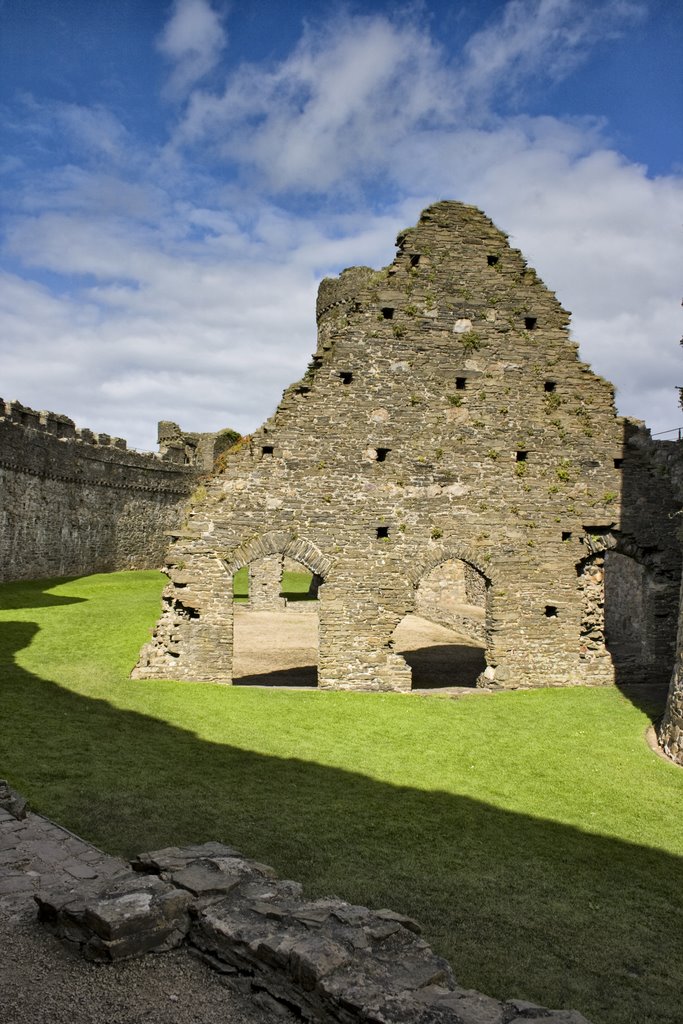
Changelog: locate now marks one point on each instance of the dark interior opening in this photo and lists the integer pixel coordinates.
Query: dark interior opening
(618, 463)
(492, 260)
(382, 531)
(460, 383)
(388, 312)
(346, 377)
(382, 454)
(551, 611)
(521, 456)
(267, 449)
(566, 535)
(530, 323)
(415, 259)
(442, 665)
(550, 386)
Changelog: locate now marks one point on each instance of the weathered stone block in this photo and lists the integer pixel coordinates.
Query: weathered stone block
(12, 801)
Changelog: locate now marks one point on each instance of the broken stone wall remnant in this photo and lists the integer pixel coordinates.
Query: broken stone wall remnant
(326, 959)
(444, 419)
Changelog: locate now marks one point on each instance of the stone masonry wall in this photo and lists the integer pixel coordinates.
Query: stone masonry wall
(445, 415)
(74, 502)
(671, 727)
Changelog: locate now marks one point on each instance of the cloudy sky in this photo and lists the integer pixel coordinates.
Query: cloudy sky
(176, 177)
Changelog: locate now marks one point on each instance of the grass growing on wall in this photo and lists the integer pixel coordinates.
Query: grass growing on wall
(533, 834)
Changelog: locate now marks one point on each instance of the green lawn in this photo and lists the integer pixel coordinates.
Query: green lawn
(533, 834)
(295, 585)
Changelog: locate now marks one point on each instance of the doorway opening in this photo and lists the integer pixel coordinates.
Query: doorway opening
(444, 639)
(275, 626)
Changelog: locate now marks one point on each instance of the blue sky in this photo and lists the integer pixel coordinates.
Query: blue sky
(176, 177)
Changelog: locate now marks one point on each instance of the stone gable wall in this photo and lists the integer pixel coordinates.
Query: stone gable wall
(445, 415)
(74, 502)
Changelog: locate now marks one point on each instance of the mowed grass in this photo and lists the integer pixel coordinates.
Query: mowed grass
(295, 585)
(534, 835)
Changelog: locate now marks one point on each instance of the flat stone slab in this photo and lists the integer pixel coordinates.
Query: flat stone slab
(47, 857)
(173, 858)
(21, 883)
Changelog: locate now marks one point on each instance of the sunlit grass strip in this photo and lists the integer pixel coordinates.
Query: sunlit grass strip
(534, 834)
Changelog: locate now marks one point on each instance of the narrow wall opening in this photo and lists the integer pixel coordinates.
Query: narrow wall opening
(444, 639)
(275, 631)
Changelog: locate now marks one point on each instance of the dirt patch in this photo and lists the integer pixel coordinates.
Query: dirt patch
(281, 649)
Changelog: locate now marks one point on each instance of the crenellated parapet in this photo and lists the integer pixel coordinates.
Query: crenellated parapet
(73, 500)
(56, 425)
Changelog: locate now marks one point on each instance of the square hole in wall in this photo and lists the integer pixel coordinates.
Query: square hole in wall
(566, 535)
(550, 386)
(530, 323)
(415, 259)
(346, 377)
(460, 383)
(382, 531)
(521, 456)
(551, 611)
(388, 312)
(618, 463)
(492, 259)
(267, 449)
(382, 454)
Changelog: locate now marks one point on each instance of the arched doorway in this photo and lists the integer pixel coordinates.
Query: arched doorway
(444, 639)
(275, 627)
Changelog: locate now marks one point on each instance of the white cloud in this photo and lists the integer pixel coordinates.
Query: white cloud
(545, 38)
(344, 105)
(192, 40)
(338, 105)
(94, 128)
(184, 296)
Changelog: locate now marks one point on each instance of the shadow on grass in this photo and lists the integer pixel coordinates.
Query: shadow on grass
(521, 906)
(33, 594)
(302, 675)
(650, 698)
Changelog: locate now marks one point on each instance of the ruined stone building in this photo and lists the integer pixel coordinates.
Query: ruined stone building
(446, 452)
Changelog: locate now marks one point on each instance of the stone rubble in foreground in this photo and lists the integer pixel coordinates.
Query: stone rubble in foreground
(326, 959)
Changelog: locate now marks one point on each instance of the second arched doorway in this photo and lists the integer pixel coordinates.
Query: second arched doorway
(443, 639)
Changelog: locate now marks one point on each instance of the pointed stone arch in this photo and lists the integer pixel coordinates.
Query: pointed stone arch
(265, 556)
